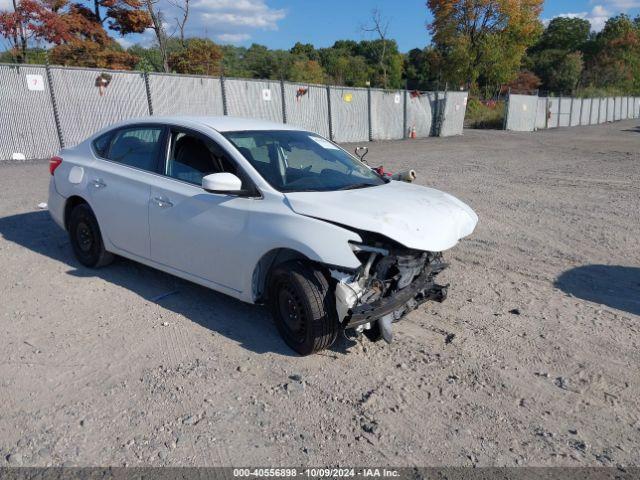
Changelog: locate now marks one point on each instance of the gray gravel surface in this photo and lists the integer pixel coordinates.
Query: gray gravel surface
(533, 360)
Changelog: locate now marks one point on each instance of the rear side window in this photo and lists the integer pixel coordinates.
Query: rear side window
(136, 147)
(101, 144)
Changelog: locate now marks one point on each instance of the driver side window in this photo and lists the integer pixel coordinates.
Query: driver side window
(191, 158)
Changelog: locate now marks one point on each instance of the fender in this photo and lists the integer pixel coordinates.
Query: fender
(317, 240)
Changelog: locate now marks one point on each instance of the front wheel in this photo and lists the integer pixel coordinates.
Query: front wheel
(303, 307)
(86, 239)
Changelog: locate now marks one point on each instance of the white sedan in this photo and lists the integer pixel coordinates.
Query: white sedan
(264, 212)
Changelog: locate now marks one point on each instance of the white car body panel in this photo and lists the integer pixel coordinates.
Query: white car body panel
(218, 240)
(417, 217)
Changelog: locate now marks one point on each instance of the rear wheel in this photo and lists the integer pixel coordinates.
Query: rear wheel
(86, 239)
(303, 307)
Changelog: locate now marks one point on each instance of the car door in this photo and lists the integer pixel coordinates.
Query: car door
(191, 230)
(119, 185)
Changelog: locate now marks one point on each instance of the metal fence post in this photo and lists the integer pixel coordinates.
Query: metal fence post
(547, 113)
(147, 87)
(405, 125)
(571, 112)
(580, 112)
(369, 115)
(329, 112)
(505, 122)
(535, 117)
(559, 111)
(225, 109)
(54, 104)
(284, 102)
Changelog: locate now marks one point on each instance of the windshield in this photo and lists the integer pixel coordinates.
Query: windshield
(294, 161)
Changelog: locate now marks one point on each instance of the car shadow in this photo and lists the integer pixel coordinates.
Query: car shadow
(249, 325)
(615, 286)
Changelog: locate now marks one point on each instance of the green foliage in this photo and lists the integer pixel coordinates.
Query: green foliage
(566, 34)
(560, 70)
(484, 114)
(483, 42)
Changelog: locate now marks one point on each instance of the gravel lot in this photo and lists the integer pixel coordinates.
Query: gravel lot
(533, 360)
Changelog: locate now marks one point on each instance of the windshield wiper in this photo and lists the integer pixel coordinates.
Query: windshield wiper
(356, 186)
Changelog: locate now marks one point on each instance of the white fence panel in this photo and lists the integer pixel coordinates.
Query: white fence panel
(86, 105)
(420, 108)
(27, 125)
(522, 113)
(185, 95)
(349, 114)
(307, 107)
(387, 114)
(454, 113)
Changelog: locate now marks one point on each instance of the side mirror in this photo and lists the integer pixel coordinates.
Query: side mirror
(222, 183)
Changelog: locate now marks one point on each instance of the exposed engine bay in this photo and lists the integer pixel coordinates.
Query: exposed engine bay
(391, 282)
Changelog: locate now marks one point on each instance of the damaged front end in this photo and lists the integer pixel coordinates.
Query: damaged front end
(391, 282)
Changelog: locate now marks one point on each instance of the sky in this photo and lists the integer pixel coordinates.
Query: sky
(281, 23)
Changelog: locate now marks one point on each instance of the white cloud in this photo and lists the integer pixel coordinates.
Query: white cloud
(232, 21)
(598, 16)
(5, 5)
(233, 37)
(618, 5)
(603, 10)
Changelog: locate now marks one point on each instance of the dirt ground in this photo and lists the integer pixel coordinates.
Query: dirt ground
(533, 360)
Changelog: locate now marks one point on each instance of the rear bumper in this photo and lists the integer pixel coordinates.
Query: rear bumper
(404, 301)
(56, 204)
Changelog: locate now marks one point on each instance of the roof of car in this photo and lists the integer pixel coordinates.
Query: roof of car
(221, 124)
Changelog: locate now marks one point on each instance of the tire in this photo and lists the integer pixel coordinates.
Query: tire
(303, 307)
(86, 239)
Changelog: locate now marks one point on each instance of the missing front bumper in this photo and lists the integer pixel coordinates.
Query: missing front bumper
(399, 304)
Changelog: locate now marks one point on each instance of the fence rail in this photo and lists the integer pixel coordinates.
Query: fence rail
(45, 107)
(527, 113)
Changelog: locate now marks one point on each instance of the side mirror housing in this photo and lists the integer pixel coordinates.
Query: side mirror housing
(222, 183)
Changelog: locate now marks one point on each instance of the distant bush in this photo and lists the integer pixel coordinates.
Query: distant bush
(485, 114)
(593, 92)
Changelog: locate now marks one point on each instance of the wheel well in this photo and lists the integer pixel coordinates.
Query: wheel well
(266, 265)
(72, 202)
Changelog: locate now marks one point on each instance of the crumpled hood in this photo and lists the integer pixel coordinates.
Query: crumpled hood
(417, 217)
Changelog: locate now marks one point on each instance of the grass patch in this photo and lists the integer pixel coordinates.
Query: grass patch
(487, 115)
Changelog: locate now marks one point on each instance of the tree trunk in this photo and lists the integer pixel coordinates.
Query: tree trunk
(161, 36)
(20, 36)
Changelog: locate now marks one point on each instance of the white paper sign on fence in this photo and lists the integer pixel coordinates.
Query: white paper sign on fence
(35, 83)
(266, 94)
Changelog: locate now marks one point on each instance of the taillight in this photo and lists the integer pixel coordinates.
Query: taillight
(54, 163)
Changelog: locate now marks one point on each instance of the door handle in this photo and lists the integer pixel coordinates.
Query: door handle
(162, 202)
(98, 183)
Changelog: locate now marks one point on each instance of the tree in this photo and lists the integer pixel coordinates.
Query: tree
(21, 25)
(526, 83)
(157, 24)
(562, 33)
(422, 69)
(613, 57)
(483, 40)
(199, 57)
(380, 26)
(73, 28)
(559, 70)
(306, 71)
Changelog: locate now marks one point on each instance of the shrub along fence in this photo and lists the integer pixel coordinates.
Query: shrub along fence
(45, 108)
(527, 113)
